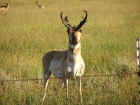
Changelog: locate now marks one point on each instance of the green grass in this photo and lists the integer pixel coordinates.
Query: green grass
(108, 46)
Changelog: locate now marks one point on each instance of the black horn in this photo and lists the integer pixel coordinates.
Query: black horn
(82, 22)
(65, 20)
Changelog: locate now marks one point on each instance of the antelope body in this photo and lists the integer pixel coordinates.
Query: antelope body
(39, 5)
(4, 7)
(66, 64)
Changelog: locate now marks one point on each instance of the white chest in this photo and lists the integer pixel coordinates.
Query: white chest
(76, 67)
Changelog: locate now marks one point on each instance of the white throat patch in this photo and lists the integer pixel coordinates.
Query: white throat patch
(75, 46)
(78, 36)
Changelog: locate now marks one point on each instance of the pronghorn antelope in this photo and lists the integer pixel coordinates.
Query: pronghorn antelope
(4, 7)
(66, 64)
(39, 5)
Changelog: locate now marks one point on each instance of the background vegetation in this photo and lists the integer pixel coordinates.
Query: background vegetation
(108, 47)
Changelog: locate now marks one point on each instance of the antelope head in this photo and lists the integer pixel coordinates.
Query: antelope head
(74, 32)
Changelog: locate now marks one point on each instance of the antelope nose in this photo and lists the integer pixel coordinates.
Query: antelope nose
(75, 42)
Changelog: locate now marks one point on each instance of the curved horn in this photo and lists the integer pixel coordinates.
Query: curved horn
(65, 20)
(83, 21)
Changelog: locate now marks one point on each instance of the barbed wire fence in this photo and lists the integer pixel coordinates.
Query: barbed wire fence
(100, 81)
(107, 86)
(86, 76)
(138, 61)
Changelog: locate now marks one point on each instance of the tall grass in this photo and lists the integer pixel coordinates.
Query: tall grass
(108, 46)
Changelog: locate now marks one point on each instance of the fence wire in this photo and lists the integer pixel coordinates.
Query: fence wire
(85, 76)
(112, 89)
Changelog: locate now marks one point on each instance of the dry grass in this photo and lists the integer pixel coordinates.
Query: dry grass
(108, 42)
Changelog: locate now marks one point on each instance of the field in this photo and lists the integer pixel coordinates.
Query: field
(108, 47)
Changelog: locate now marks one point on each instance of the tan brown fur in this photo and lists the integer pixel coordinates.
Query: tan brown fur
(4, 8)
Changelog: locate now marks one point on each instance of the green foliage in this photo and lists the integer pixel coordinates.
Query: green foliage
(108, 46)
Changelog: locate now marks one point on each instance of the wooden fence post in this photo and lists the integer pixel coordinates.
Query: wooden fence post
(138, 61)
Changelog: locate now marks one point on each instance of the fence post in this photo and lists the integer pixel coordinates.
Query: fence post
(138, 61)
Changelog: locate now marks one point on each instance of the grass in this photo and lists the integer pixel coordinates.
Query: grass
(108, 46)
